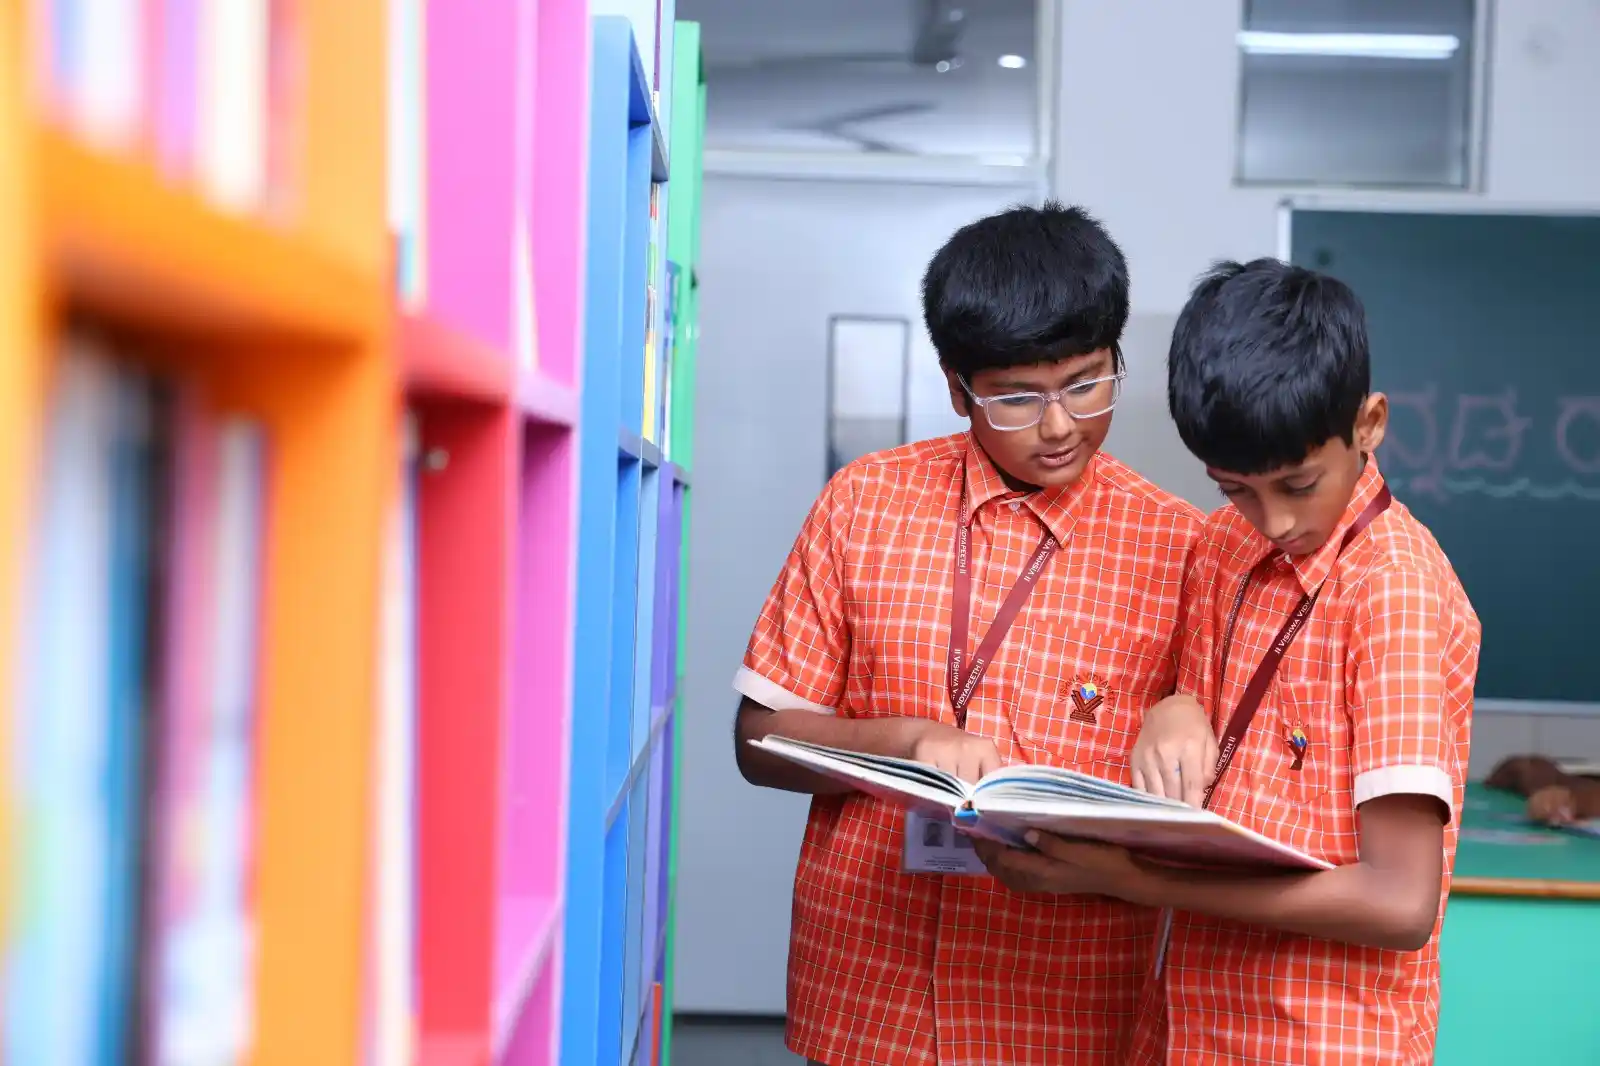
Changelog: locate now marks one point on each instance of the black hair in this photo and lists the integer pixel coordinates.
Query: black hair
(1268, 362)
(1029, 285)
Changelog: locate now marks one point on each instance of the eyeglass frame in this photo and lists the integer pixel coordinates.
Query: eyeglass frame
(1049, 398)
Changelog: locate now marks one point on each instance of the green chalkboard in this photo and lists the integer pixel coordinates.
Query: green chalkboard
(1485, 334)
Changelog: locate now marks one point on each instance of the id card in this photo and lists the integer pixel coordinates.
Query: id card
(934, 846)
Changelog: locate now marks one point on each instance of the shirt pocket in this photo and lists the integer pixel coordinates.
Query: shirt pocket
(1082, 696)
(1280, 793)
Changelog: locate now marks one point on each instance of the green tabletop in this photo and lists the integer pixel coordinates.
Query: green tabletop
(1502, 854)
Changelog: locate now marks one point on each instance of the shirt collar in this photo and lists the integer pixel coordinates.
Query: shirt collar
(1056, 508)
(1312, 570)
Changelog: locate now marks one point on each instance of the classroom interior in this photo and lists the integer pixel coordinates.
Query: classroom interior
(405, 408)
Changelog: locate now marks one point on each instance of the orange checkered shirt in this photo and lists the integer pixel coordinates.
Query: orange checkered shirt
(888, 968)
(1380, 681)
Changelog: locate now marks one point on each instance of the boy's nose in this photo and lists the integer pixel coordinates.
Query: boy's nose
(1277, 522)
(1056, 423)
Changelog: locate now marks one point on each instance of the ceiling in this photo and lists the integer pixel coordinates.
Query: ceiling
(920, 77)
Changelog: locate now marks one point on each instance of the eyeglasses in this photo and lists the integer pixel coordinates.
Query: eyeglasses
(1020, 410)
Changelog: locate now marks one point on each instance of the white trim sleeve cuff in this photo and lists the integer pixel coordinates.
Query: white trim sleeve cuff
(1405, 781)
(753, 686)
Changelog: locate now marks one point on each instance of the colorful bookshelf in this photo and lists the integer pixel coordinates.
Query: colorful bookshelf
(439, 303)
(490, 335)
(631, 516)
(688, 89)
(267, 300)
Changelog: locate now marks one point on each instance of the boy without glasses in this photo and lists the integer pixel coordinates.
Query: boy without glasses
(1354, 745)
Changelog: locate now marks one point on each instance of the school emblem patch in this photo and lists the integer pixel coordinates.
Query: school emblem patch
(1087, 695)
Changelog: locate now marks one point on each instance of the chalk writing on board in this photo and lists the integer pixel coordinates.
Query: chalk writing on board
(1441, 445)
(1574, 411)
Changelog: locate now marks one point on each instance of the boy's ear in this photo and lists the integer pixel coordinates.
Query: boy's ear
(958, 395)
(1372, 422)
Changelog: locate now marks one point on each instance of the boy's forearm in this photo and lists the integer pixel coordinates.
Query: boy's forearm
(1357, 904)
(876, 736)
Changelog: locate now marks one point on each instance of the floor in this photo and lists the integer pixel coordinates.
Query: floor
(745, 1042)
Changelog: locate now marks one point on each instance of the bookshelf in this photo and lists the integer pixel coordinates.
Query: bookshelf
(688, 89)
(637, 418)
(440, 308)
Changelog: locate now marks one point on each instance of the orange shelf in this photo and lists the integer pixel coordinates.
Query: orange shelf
(440, 363)
(126, 244)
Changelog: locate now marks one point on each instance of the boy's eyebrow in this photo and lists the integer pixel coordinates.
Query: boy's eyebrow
(1033, 386)
(1277, 475)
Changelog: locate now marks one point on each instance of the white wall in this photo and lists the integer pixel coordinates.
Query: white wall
(1149, 103)
(778, 257)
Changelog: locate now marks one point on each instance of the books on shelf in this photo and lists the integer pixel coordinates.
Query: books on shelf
(203, 941)
(652, 383)
(135, 939)
(82, 712)
(210, 88)
(408, 152)
(391, 994)
(1012, 800)
(669, 350)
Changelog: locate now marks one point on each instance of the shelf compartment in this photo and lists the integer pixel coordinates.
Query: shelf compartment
(127, 246)
(441, 363)
(530, 930)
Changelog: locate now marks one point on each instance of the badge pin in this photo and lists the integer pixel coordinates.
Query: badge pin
(1297, 746)
(1087, 696)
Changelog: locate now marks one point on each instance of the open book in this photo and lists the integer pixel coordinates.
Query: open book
(1008, 802)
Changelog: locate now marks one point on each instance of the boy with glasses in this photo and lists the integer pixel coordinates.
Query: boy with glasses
(1004, 594)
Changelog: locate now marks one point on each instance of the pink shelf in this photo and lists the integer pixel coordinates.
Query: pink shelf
(544, 400)
(533, 1039)
(472, 139)
(529, 931)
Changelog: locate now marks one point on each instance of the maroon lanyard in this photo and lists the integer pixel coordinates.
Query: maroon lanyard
(963, 685)
(1256, 689)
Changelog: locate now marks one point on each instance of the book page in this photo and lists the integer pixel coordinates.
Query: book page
(1055, 783)
(899, 781)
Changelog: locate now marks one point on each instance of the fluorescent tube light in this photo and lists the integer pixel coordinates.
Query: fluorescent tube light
(1355, 45)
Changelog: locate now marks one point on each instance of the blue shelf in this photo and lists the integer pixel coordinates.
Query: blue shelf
(592, 961)
(629, 568)
(614, 34)
(608, 1004)
(649, 602)
(625, 625)
(632, 446)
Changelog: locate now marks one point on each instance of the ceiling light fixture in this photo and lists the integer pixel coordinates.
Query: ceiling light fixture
(1013, 62)
(1353, 45)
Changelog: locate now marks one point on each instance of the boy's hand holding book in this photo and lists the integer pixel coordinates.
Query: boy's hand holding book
(952, 750)
(1176, 753)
